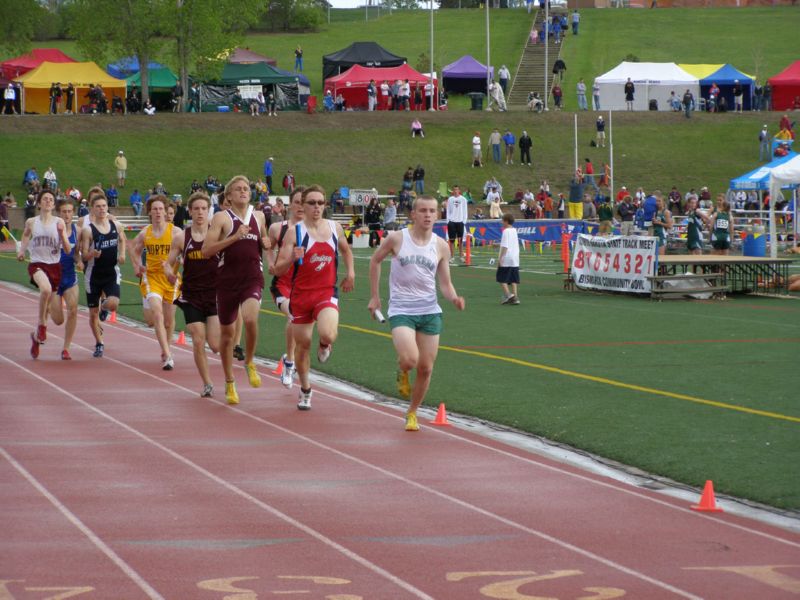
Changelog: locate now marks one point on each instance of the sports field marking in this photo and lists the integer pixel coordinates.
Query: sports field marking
(640, 343)
(129, 571)
(314, 533)
(528, 460)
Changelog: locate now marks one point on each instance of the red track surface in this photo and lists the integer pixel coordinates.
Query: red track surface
(117, 481)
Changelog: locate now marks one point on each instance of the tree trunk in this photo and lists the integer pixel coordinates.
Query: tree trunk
(144, 73)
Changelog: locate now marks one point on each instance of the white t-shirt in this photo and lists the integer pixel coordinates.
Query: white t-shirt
(510, 242)
(476, 143)
(457, 209)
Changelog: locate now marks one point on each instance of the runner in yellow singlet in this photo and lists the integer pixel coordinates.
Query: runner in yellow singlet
(158, 293)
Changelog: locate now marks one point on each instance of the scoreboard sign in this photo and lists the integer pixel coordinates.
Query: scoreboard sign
(362, 197)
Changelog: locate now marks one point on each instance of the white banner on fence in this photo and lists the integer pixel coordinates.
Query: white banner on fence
(362, 197)
(614, 264)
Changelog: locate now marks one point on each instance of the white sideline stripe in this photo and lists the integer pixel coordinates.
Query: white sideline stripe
(530, 461)
(319, 536)
(216, 479)
(72, 518)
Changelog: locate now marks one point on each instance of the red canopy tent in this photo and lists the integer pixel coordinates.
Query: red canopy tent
(785, 87)
(14, 67)
(352, 84)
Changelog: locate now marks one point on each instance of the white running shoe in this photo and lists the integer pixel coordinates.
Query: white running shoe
(324, 352)
(304, 400)
(169, 364)
(287, 374)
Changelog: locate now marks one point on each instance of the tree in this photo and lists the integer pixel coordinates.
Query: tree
(205, 30)
(127, 27)
(403, 4)
(18, 23)
(293, 15)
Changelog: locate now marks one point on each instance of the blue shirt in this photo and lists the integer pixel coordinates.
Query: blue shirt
(509, 139)
(136, 198)
(649, 208)
(268, 168)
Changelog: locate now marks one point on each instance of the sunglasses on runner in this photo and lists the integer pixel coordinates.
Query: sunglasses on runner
(316, 202)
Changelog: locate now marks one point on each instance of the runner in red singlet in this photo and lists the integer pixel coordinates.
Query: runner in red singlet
(314, 295)
(281, 287)
(238, 235)
(198, 293)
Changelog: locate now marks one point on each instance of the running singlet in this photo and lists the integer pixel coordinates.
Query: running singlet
(107, 244)
(320, 262)
(284, 282)
(412, 280)
(694, 231)
(659, 230)
(721, 231)
(68, 260)
(157, 249)
(240, 263)
(45, 244)
(199, 274)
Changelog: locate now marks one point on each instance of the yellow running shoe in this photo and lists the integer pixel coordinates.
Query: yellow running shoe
(230, 392)
(411, 422)
(403, 385)
(252, 375)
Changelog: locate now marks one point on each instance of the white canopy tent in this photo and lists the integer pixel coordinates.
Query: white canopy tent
(653, 81)
(785, 174)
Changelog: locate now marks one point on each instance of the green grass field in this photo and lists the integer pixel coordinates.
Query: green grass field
(665, 387)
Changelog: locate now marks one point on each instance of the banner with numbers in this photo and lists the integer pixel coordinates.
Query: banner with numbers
(362, 197)
(614, 264)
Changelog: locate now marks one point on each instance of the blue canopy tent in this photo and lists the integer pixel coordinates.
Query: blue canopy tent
(758, 179)
(725, 77)
(304, 84)
(125, 67)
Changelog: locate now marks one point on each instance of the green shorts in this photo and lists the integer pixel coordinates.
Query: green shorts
(427, 324)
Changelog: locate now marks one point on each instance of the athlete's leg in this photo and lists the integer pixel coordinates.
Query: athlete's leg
(227, 333)
(94, 324)
(168, 310)
(302, 360)
(284, 307)
(198, 332)
(55, 309)
(71, 300)
(212, 333)
(405, 344)
(155, 303)
(428, 348)
(328, 326)
(45, 292)
(248, 312)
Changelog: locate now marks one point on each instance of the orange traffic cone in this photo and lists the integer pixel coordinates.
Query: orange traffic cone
(708, 502)
(468, 253)
(441, 416)
(113, 317)
(181, 339)
(278, 370)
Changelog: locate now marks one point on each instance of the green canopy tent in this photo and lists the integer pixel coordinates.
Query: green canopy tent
(160, 82)
(243, 81)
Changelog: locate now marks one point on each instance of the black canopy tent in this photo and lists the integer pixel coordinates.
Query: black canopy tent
(366, 54)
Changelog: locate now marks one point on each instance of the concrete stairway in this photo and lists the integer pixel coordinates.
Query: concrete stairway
(530, 72)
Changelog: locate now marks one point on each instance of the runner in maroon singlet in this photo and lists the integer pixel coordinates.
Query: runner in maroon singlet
(281, 287)
(314, 295)
(198, 293)
(238, 235)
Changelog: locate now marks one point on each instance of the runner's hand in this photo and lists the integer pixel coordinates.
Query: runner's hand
(348, 284)
(242, 231)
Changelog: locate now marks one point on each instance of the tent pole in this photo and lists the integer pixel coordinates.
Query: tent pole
(488, 58)
(430, 75)
(575, 142)
(611, 160)
(546, 30)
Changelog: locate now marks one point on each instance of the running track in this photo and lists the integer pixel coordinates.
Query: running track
(117, 481)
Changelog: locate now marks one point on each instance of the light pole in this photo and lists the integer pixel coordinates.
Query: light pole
(430, 74)
(546, 30)
(488, 56)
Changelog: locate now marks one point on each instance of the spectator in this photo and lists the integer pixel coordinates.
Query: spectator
(479, 214)
(576, 196)
(561, 207)
(600, 126)
(288, 182)
(494, 142)
(10, 99)
(133, 101)
(576, 19)
(177, 97)
(525, 145)
(327, 102)
(605, 214)
(31, 179)
(149, 109)
(688, 103)
(194, 98)
(492, 183)
(298, 59)
(510, 141)
(738, 95)
(675, 103)
(629, 90)
(581, 91)
(626, 212)
(558, 70)
(272, 105)
(268, 168)
(504, 74)
(705, 199)
(121, 164)
(476, 150)
(557, 93)
(508, 261)
(493, 199)
(764, 142)
(674, 200)
(496, 96)
(339, 103)
(417, 98)
(372, 218)
(535, 103)
(588, 174)
(419, 180)
(337, 202)
(4, 217)
(50, 179)
(416, 128)
(766, 100)
(372, 95)
(596, 95)
(112, 195)
(390, 215)
(589, 209)
(136, 202)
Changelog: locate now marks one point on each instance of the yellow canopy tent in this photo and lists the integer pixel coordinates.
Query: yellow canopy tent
(701, 71)
(36, 84)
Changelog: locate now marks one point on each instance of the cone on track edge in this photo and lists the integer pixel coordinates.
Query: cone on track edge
(469, 253)
(441, 417)
(181, 339)
(708, 502)
(278, 370)
(113, 317)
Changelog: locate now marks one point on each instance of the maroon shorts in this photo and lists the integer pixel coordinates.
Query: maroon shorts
(305, 308)
(52, 271)
(229, 299)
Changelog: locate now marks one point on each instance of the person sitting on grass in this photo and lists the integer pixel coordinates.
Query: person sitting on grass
(416, 128)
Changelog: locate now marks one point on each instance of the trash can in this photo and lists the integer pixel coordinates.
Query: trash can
(755, 243)
(311, 107)
(477, 100)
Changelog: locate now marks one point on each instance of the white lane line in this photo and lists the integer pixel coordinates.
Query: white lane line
(313, 533)
(375, 568)
(129, 571)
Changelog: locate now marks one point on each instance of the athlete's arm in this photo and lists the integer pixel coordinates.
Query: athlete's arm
(389, 246)
(27, 233)
(136, 253)
(668, 219)
(266, 244)
(443, 272)
(217, 237)
(122, 243)
(62, 231)
(273, 232)
(174, 251)
(288, 253)
(347, 253)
